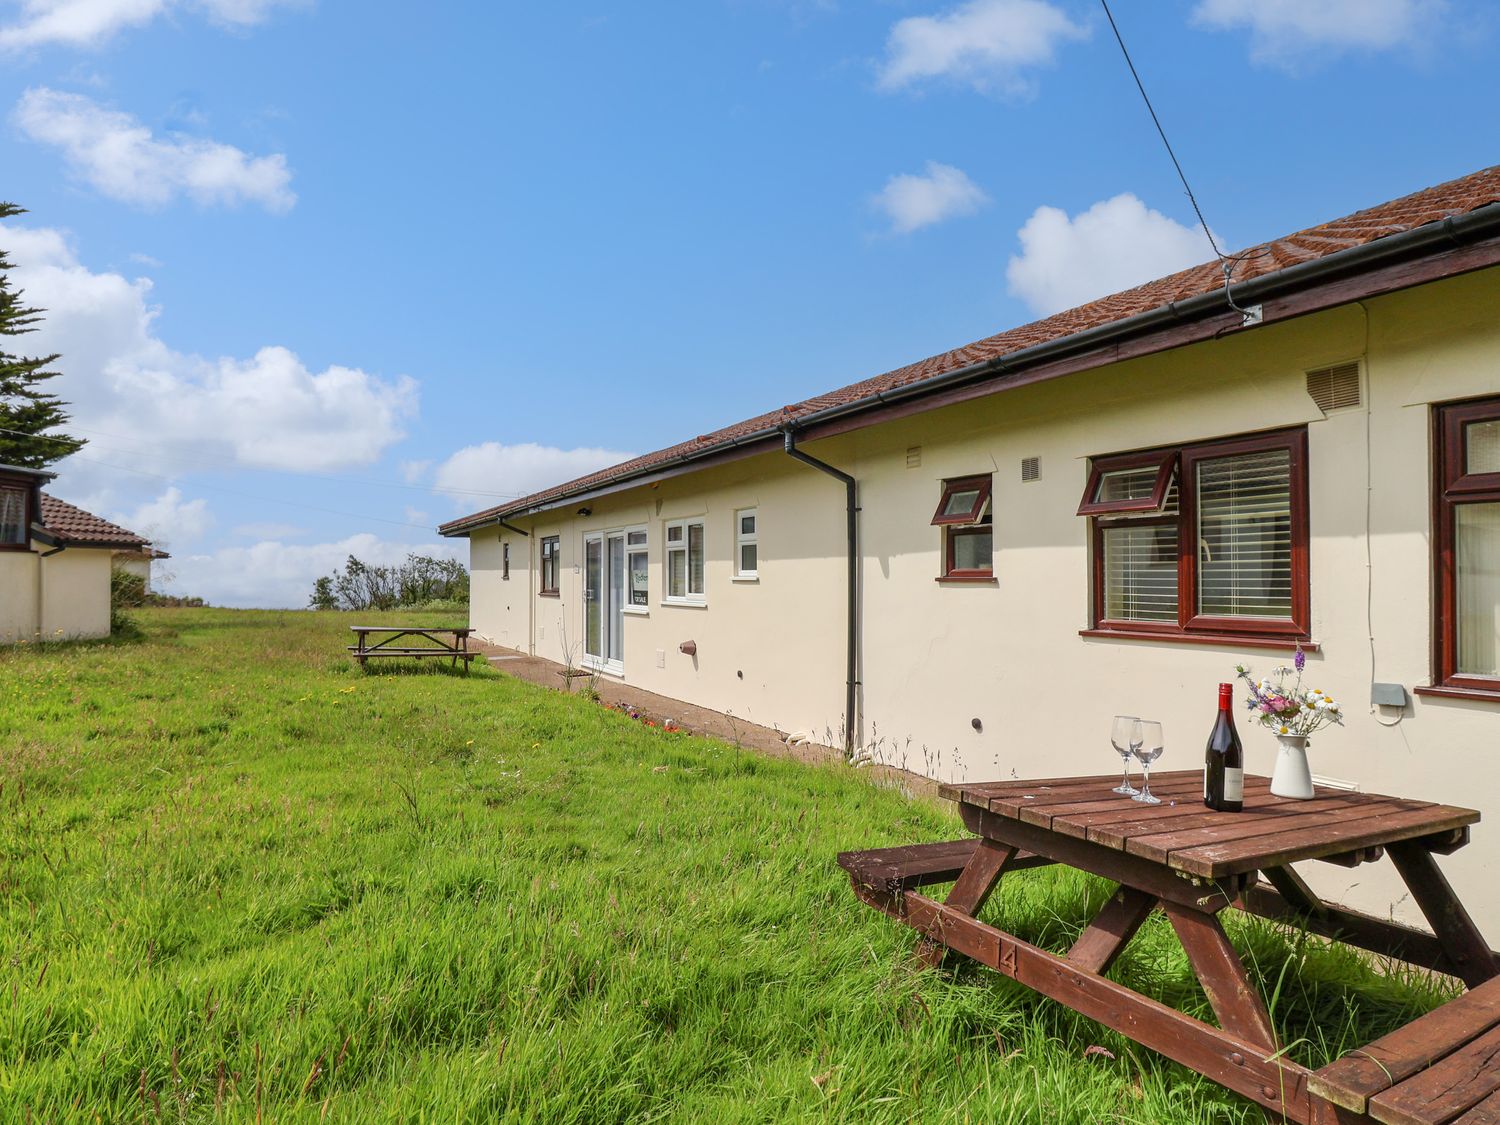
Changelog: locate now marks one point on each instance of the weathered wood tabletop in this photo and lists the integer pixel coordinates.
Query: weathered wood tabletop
(1193, 863)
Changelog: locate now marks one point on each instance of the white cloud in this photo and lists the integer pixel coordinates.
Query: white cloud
(151, 409)
(119, 157)
(414, 471)
(911, 202)
(275, 574)
(987, 44)
(168, 521)
(90, 23)
(1115, 244)
(269, 530)
(517, 470)
(1285, 32)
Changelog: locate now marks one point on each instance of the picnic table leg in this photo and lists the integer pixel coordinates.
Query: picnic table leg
(975, 884)
(1451, 924)
(1111, 930)
(1234, 997)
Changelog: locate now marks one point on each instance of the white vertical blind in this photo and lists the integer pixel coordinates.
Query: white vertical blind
(12, 515)
(1482, 442)
(1476, 555)
(1245, 535)
(1140, 572)
(695, 558)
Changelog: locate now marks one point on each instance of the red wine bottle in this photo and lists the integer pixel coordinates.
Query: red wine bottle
(1224, 761)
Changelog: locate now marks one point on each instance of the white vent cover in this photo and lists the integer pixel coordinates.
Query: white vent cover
(913, 456)
(1336, 387)
(1031, 468)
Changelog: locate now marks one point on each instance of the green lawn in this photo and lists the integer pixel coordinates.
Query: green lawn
(238, 876)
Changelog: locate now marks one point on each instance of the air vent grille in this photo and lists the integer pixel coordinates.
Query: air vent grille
(1336, 387)
(914, 457)
(1031, 468)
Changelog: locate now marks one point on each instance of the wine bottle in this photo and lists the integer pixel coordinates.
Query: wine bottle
(1224, 761)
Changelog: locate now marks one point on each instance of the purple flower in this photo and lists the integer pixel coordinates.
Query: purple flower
(1300, 659)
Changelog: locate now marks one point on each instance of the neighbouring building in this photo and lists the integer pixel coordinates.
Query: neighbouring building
(1101, 512)
(138, 560)
(55, 563)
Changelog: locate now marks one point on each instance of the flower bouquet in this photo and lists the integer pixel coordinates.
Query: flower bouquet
(1291, 712)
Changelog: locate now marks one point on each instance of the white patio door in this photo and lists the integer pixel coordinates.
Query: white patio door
(604, 593)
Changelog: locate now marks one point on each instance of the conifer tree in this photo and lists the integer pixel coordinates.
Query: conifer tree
(27, 411)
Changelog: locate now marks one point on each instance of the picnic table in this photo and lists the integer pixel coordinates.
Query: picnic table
(450, 642)
(1193, 864)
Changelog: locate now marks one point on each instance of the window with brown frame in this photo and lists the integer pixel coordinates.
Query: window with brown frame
(963, 514)
(14, 499)
(1202, 540)
(505, 561)
(551, 559)
(1466, 548)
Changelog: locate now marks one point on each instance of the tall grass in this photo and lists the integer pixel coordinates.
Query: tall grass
(242, 880)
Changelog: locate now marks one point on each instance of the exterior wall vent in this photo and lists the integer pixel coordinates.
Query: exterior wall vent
(914, 457)
(1031, 468)
(1336, 387)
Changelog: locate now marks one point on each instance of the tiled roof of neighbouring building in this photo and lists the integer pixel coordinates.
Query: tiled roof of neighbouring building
(74, 525)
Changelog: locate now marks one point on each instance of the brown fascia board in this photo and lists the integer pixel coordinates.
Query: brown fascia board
(1430, 252)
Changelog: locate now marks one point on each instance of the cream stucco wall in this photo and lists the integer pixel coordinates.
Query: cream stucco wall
(71, 588)
(936, 656)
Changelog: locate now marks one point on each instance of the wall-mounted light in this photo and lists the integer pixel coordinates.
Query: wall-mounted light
(585, 511)
(688, 648)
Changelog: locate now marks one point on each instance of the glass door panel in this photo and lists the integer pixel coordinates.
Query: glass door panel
(593, 615)
(614, 629)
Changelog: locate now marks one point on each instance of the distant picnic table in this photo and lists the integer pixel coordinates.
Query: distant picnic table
(1194, 863)
(450, 642)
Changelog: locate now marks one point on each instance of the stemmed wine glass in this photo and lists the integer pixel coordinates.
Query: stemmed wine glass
(1119, 737)
(1146, 745)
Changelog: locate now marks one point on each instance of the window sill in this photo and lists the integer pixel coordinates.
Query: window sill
(690, 603)
(1222, 640)
(749, 579)
(636, 610)
(548, 594)
(1441, 692)
(967, 580)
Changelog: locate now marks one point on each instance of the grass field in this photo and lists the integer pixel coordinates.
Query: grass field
(241, 880)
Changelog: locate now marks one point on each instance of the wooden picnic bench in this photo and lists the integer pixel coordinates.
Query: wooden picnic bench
(450, 642)
(1193, 863)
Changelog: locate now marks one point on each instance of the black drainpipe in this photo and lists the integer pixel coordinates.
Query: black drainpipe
(851, 508)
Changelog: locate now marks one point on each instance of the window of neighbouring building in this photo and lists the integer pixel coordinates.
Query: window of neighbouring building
(637, 565)
(1466, 548)
(1208, 538)
(551, 562)
(13, 531)
(747, 543)
(685, 561)
(963, 515)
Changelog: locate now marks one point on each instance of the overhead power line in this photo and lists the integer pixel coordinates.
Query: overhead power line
(232, 463)
(1227, 262)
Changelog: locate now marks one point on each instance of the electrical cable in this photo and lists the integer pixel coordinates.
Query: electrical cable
(1227, 262)
(241, 467)
(252, 496)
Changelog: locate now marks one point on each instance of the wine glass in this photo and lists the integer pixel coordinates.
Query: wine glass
(1119, 737)
(1146, 745)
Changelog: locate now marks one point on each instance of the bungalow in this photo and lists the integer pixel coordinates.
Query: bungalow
(966, 566)
(55, 562)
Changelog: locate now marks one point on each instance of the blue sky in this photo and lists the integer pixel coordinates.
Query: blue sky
(325, 275)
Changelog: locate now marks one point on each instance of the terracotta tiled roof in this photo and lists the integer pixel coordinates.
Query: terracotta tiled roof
(1434, 204)
(74, 525)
